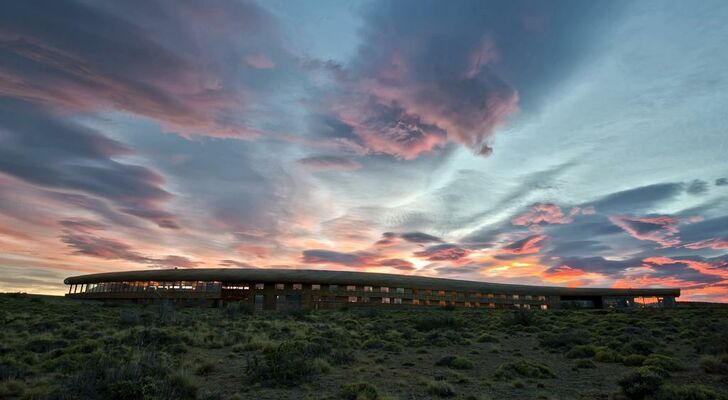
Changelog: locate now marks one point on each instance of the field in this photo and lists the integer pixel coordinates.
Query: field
(53, 348)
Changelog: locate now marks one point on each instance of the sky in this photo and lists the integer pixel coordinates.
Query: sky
(564, 143)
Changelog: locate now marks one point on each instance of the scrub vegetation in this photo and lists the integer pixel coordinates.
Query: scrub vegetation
(55, 348)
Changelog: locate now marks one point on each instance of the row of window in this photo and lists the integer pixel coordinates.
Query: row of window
(215, 286)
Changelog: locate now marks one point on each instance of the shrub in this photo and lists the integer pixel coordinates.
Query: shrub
(440, 388)
(641, 383)
(584, 363)
(285, 365)
(205, 368)
(633, 360)
(566, 339)
(638, 346)
(455, 362)
(487, 338)
(607, 356)
(713, 365)
(360, 391)
(521, 316)
(527, 369)
(429, 323)
(667, 363)
(687, 392)
(581, 351)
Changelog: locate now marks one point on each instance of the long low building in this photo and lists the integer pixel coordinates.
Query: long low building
(276, 289)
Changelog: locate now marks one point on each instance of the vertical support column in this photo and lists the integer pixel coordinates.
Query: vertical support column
(69, 288)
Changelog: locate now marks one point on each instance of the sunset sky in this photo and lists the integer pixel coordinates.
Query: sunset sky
(574, 143)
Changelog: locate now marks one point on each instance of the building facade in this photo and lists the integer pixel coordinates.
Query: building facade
(279, 289)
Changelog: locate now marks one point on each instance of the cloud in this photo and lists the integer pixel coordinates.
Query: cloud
(697, 187)
(79, 159)
(330, 163)
(443, 252)
(548, 213)
(165, 64)
(357, 259)
(638, 199)
(112, 249)
(391, 238)
(714, 243)
(661, 229)
(721, 182)
(527, 245)
(428, 74)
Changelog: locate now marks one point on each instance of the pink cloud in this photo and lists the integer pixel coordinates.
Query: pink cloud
(528, 245)
(661, 229)
(714, 243)
(549, 213)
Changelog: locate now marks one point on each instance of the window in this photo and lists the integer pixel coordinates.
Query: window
(365, 299)
(333, 288)
(491, 305)
(467, 304)
(315, 286)
(491, 295)
(386, 300)
(352, 299)
(368, 288)
(350, 288)
(397, 300)
(544, 307)
(443, 303)
(528, 297)
(384, 289)
(400, 290)
(297, 286)
(541, 298)
(415, 301)
(280, 286)
(440, 292)
(428, 292)
(515, 297)
(259, 286)
(517, 305)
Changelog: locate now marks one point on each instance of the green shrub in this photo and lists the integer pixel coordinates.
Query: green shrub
(428, 323)
(633, 360)
(205, 368)
(440, 389)
(584, 363)
(286, 365)
(521, 317)
(641, 383)
(667, 363)
(607, 356)
(639, 346)
(360, 391)
(713, 365)
(487, 338)
(581, 351)
(455, 362)
(687, 392)
(566, 339)
(524, 368)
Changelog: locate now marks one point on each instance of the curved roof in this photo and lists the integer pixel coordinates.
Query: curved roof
(351, 278)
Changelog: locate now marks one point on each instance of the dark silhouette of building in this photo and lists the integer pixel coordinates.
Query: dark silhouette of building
(272, 289)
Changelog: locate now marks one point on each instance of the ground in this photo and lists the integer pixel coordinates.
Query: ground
(56, 348)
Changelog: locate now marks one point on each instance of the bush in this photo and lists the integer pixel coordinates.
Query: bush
(667, 363)
(286, 365)
(527, 369)
(487, 338)
(640, 384)
(607, 356)
(584, 363)
(360, 391)
(455, 362)
(566, 339)
(521, 316)
(581, 351)
(440, 388)
(429, 323)
(639, 346)
(687, 392)
(633, 360)
(713, 365)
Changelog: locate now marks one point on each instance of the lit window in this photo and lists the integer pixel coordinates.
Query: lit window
(368, 288)
(443, 303)
(527, 306)
(440, 292)
(385, 300)
(297, 286)
(280, 286)
(315, 286)
(490, 295)
(384, 289)
(491, 305)
(259, 286)
(542, 298)
(333, 288)
(415, 301)
(517, 305)
(528, 297)
(467, 304)
(397, 300)
(400, 290)
(352, 299)
(515, 297)
(351, 288)
(544, 307)
(428, 292)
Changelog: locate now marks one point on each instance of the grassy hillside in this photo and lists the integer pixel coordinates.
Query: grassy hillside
(53, 348)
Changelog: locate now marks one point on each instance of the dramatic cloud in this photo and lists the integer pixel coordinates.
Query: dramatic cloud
(449, 73)
(442, 252)
(76, 158)
(547, 213)
(54, 54)
(358, 260)
(527, 245)
(661, 229)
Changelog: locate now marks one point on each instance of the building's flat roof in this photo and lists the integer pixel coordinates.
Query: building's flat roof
(264, 275)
